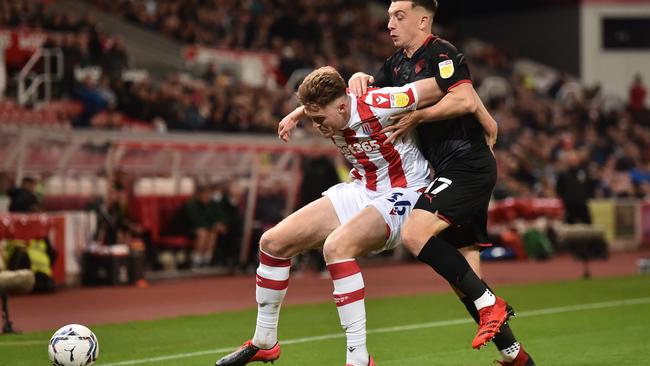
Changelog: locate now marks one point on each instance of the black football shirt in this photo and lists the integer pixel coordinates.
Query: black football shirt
(441, 142)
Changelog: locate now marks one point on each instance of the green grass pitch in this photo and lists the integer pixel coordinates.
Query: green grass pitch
(578, 323)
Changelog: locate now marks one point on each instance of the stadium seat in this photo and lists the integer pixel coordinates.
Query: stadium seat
(155, 213)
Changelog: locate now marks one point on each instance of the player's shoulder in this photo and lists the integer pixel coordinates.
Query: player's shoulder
(440, 47)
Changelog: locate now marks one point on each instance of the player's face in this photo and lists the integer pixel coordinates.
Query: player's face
(330, 117)
(403, 23)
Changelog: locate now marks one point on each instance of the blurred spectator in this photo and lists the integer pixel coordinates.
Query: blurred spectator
(94, 98)
(573, 188)
(113, 223)
(24, 198)
(205, 220)
(229, 240)
(38, 255)
(638, 94)
(319, 174)
(115, 59)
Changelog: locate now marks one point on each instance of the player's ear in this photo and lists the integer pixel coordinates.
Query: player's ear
(341, 108)
(425, 23)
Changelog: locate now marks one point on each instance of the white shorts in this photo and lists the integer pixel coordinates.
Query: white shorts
(394, 205)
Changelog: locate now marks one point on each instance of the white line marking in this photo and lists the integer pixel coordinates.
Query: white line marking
(23, 343)
(401, 328)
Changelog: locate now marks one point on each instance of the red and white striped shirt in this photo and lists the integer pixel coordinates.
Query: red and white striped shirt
(382, 167)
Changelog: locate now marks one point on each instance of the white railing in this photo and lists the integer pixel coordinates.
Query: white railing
(30, 81)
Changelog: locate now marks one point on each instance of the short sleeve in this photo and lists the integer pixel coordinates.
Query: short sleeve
(449, 66)
(392, 100)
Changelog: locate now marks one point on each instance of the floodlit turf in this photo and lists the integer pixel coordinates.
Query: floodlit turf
(607, 334)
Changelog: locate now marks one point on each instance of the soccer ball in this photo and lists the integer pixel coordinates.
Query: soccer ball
(73, 345)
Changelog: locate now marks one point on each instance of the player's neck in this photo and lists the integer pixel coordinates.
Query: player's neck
(416, 44)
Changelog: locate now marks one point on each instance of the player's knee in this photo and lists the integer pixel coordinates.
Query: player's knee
(415, 234)
(411, 240)
(269, 244)
(336, 250)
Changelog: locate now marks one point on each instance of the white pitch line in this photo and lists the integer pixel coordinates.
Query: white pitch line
(23, 343)
(444, 323)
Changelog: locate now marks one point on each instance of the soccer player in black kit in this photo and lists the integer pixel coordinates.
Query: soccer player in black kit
(452, 212)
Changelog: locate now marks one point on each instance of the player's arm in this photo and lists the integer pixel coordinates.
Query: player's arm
(428, 92)
(453, 77)
(289, 123)
(359, 81)
(487, 121)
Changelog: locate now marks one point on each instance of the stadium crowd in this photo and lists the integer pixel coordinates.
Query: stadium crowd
(546, 128)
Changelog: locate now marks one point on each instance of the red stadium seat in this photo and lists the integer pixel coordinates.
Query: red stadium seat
(157, 212)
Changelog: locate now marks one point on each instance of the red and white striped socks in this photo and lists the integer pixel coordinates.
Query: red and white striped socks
(349, 297)
(272, 281)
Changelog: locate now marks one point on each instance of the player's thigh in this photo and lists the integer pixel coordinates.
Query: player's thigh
(419, 227)
(364, 233)
(306, 228)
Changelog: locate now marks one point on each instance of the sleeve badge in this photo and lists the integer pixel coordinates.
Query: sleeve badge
(446, 69)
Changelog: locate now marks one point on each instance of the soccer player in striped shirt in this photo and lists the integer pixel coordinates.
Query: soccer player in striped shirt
(351, 219)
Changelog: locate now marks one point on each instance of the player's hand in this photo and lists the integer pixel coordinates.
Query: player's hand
(404, 124)
(288, 124)
(359, 82)
(490, 140)
(324, 131)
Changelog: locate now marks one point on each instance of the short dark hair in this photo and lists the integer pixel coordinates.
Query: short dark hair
(321, 87)
(430, 5)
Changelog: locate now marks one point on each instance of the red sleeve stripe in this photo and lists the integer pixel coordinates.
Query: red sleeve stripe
(343, 269)
(271, 284)
(370, 169)
(395, 170)
(483, 245)
(349, 298)
(464, 81)
(444, 218)
(273, 261)
(388, 231)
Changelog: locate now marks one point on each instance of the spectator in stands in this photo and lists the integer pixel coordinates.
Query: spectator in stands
(229, 239)
(204, 220)
(93, 99)
(24, 198)
(113, 224)
(115, 59)
(38, 255)
(573, 185)
(638, 94)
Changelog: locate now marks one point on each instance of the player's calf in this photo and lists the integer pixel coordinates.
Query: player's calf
(272, 281)
(349, 291)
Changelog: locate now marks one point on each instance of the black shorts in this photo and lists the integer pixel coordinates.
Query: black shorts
(460, 195)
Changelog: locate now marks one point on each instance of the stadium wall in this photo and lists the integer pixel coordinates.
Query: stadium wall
(549, 35)
(614, 69)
